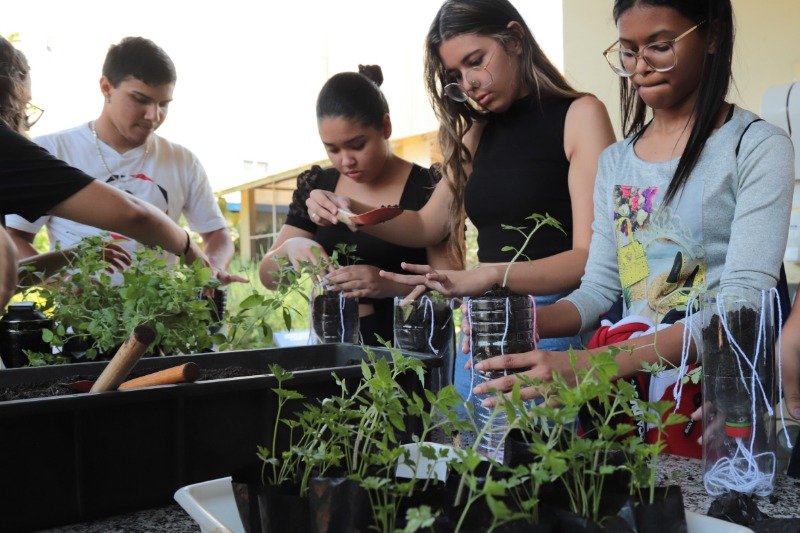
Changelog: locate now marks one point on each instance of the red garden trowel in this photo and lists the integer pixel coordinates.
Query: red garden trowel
(374, 216)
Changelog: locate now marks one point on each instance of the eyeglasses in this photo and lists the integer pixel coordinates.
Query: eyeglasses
(33, 114)
(660, 55)
(477, 77)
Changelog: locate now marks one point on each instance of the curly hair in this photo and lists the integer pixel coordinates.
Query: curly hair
(14, 71)
(489, 18)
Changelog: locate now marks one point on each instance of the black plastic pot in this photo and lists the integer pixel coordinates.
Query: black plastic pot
(21, 329)
(665, 515)
(269, 508)
(337, 504)
(334, 318)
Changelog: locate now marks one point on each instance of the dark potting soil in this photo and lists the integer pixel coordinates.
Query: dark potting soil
(722, 370)
(413, 332)
(25, 391)
(742, 509)
(743, 323)
(327, 318)
(501, 323)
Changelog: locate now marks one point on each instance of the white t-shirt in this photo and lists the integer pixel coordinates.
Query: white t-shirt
(169, 176)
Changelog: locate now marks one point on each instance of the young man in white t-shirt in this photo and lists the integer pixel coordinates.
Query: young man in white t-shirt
(122, 149)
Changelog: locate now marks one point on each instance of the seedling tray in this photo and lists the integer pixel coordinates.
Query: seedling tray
(66, 459)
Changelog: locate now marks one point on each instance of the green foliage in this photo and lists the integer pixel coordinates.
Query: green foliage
(88, 307)
(359, 430)
(256, 313)
(539, 222)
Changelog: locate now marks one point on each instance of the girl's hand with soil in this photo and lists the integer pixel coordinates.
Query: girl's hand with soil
(117, 256)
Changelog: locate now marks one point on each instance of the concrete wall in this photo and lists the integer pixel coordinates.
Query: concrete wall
(767, 49)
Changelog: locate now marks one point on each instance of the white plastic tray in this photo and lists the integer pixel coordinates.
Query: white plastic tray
(212, 506)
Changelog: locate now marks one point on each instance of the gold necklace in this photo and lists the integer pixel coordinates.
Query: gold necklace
(103, 159)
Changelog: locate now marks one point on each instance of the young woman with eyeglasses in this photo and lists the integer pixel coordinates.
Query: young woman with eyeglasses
(701, 187)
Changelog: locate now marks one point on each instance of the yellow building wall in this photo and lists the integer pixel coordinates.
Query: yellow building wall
(767, 49)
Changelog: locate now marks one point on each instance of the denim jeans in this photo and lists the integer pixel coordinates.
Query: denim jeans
(462, 377)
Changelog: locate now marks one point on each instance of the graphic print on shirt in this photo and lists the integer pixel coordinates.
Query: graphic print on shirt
(139, 185)
(659, 249)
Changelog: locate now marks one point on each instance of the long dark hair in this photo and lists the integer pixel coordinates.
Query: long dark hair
(14, 72)
(488, 18)
(715, 79)
(354, 96)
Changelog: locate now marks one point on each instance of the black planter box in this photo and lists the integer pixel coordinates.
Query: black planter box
(66, 459)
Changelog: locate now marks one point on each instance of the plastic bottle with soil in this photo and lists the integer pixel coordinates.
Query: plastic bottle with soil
(501, 323)
(738, 392)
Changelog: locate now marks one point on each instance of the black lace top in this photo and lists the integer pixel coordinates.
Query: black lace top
(370, 250)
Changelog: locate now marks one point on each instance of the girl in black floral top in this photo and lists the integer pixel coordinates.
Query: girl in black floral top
(354, 126)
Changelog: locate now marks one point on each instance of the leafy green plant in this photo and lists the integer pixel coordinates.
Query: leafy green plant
(539, 222)
(584, 464)
(249, 322)
(88, 307)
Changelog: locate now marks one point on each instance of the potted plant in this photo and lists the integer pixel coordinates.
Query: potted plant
(334, 318)
(425, 325)
(597, 481)
(502, 323)
(339, 456)
(93, 315)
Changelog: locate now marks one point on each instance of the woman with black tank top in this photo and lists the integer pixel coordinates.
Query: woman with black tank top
(516, 140)
(354, 126)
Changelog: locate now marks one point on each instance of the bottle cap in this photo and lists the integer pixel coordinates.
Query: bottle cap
(739, 430)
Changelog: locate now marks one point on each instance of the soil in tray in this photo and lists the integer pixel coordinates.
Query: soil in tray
(25, 391)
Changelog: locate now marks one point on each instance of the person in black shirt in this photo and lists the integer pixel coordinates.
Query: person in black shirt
(33, 182)
(354, 126)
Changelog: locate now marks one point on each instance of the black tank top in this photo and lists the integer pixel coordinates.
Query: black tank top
(520, 168)
(370, 250)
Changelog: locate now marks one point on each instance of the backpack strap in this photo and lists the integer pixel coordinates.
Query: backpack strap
(739, 144)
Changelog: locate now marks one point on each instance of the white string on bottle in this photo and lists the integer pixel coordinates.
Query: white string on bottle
(471, 350)
(686, 343)
(342, 303)
(428, 305)
(741, 472)
(741, 355)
